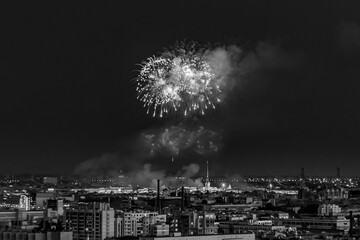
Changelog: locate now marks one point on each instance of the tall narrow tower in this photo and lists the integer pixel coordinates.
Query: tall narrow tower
(207, 181)
(302, 174)
(302, 183)
(338, 172)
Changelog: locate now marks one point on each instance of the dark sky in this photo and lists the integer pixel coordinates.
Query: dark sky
(66, 94)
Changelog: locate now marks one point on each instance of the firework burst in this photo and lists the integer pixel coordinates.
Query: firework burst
(180, 80)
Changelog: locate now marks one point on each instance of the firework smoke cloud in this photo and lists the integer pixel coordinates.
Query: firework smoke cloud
(148, 176)
(187, 78)
(175, 139)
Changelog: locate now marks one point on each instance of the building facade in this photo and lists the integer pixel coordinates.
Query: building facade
(329, 210)
(90, 221)
(36, 236)
(334, 223)
(211, 237)
(137, 223)
(195, 223)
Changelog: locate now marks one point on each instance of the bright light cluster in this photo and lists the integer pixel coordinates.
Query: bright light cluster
(180, 80)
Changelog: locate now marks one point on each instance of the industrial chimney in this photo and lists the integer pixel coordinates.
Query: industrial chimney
(158, 207)
(182, 198)
(302, 174)
(351, 223)
(338, 172)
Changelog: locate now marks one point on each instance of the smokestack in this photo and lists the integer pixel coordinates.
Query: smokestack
(338, 172)
(158, 197)
(351, 224)
(302, 175)
(182, 198)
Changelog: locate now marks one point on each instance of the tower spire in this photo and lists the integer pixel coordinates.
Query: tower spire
(207, 181)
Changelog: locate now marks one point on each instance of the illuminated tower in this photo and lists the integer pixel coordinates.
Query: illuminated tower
(207, 181)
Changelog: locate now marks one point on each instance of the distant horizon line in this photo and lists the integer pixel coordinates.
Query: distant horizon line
(198, 176)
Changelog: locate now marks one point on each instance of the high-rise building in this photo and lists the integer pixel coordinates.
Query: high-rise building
(150, 221)
(41, 197)
(159, 230)
(334, 194)
(37, 236)
(338, 172)
(17, 201)
(196, 223)
(137, 223)
(21, 216)
(90, 221)
(54, 208)
(329, 210)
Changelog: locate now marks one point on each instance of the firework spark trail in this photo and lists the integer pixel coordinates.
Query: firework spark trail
(185, 79)
(176, 139)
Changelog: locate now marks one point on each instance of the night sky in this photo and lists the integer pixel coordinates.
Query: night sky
(66, 95)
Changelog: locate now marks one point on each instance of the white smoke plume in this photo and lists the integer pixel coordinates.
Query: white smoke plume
(147, 177)
(140, 175)
(227, 65)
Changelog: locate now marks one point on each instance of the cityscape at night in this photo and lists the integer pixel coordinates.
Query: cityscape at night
(260, 207)
(180, 120)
